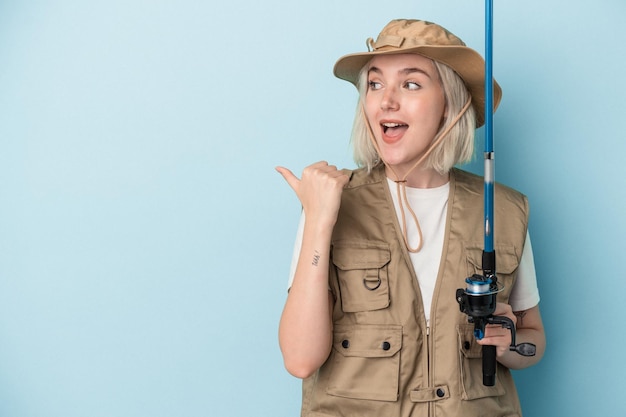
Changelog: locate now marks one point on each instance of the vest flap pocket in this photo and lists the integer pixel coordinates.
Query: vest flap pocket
(368, 341)
(362, 275)
(366, 362)
(506, 259)
(354, 257)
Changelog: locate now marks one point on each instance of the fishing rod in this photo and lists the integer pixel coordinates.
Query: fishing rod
(478, 299)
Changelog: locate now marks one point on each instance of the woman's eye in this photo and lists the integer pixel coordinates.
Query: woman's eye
(412, 85)
(373, 85)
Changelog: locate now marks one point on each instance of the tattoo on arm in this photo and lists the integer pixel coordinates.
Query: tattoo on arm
(520, 317)
(316, 258)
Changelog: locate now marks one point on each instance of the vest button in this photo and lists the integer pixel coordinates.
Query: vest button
(440, 393)
(345, 344)
(386, 346)
(466, 345)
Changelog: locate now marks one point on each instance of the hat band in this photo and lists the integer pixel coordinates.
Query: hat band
(387, 42)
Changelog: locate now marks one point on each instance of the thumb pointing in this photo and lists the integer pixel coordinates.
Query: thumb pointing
(291, 179)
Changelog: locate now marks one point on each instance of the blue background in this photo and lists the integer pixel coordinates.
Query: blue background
(145, 237)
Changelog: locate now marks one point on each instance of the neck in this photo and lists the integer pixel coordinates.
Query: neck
(419, 178)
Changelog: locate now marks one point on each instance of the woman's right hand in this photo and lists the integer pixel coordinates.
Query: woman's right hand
(319, 190)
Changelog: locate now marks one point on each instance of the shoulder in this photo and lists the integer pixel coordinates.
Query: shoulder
(361, 177)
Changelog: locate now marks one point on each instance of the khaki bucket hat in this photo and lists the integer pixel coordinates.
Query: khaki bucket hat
(402, 36)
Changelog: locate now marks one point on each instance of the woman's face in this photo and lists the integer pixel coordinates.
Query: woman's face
(404, 105)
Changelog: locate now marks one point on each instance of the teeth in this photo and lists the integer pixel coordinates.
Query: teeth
(392, 124)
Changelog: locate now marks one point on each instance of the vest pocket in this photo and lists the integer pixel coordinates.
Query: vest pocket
(366, 362)
(470, 356)
(362, 272)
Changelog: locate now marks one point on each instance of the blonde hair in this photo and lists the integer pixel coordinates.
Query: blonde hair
(457, 147)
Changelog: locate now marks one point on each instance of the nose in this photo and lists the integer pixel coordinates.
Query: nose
(389, 100)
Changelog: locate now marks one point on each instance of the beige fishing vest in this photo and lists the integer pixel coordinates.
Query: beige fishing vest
(384, 361)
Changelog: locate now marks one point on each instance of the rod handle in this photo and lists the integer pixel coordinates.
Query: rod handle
(489, 365)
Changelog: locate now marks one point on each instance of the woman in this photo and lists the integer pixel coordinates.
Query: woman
(371, 322)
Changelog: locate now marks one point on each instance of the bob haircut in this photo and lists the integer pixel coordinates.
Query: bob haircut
(458, 147)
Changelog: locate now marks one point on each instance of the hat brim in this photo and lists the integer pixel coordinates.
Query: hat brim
(466, 62)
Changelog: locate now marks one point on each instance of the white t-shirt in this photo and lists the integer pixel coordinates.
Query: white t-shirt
(430, 206)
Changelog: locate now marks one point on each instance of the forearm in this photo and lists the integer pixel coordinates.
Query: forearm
(305, 332)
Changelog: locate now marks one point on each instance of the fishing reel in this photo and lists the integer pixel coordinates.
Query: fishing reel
(478, 301)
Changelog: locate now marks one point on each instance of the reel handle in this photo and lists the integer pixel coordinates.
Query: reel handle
(524, 349)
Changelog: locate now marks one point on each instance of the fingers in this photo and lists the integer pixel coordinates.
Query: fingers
(498, 337)
(321, 166)
(326, 174)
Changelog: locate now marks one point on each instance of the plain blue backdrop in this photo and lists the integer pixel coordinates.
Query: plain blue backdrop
(145, 237)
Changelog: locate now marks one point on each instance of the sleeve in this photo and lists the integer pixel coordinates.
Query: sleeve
(525, 293)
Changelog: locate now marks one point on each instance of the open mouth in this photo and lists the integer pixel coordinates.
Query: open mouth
(391, 129)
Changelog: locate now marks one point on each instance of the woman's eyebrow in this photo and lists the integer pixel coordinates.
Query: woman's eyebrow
(405, 71)
(408, 71)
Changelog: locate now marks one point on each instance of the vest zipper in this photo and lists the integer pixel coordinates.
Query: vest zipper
(428, 361)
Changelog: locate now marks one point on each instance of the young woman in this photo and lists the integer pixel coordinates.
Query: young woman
(371, 322)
